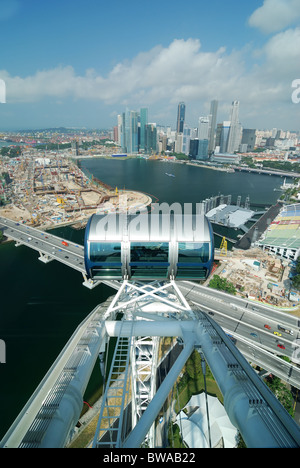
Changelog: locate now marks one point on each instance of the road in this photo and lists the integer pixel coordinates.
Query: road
(47, 244)
(240, 317)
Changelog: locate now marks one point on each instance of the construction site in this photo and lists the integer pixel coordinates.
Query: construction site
(256, 275)
(50, 192)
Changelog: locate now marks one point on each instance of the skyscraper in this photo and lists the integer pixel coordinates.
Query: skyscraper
(203, 134)
(150, 138)
(130, 131)
(249, 138)
(212, 128)
(180, 117)
(203, 128)
(143, 123)
(234, 136)
(224, 137)
(186, 139)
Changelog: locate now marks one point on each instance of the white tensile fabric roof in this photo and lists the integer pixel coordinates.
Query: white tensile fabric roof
(194, 428)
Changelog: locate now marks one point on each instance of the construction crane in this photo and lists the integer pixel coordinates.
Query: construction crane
(223, 247)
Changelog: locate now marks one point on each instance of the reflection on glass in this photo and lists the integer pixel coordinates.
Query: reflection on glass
(149, 251)
(193, 252)
(105, 252)
(149, 259)
(191, 259)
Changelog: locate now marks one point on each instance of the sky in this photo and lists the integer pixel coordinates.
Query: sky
(80, 63)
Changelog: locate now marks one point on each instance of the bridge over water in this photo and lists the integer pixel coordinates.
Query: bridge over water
(293, 175)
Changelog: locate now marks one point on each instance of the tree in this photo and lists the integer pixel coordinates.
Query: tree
(193, 365)
(222, 284)
(281, 392)
(296, 282)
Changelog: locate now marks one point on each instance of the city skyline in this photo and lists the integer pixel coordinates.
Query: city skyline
(82, 63)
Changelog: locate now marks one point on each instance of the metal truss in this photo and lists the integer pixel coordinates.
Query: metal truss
(138, 316)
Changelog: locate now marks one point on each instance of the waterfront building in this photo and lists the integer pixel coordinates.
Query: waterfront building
(203, 136)
(202, 150)
(224, 136)
(248, 138)
(203, 128)
(225, 158)
(194, 144)
(150, 144)
(120, 121)
(143, 123)
(129, 137)
(180, 117)
(178, 143)
(212, 127)
(186, 137)
(234, 136)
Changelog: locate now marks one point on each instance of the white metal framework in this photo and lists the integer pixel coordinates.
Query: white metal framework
(138, 317)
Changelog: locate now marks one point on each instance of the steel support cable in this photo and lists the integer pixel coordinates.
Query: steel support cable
(203, 364)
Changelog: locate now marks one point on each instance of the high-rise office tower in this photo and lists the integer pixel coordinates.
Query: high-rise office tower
(234, 137)
(224, 137)
(187, 131)
(203, 134)
(143, 123)
(203, 128)
(130, 131)
(212, 129)
(150, 138)
(180, 117)
(120, 121)
(249, 138)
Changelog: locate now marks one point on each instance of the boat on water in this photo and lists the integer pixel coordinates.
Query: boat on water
(170, 175)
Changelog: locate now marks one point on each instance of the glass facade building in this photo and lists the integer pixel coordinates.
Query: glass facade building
(180, 117)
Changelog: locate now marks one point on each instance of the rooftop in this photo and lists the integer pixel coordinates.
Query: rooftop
(230, 215)
(284, 231)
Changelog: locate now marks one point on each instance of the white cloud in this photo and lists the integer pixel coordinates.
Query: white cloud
(181, 69)
(275, 15)
(282, 53)
(163, 76)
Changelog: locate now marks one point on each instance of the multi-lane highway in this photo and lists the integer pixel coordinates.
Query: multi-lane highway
(49, 246)
(266, 327)
(262, 333)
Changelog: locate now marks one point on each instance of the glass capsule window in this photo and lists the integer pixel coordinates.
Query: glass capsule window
(149, 259)
(105, 252)
(106, 259)
(193, 252)
(192, 257)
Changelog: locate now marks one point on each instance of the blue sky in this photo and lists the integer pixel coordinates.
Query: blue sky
(81, 63)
